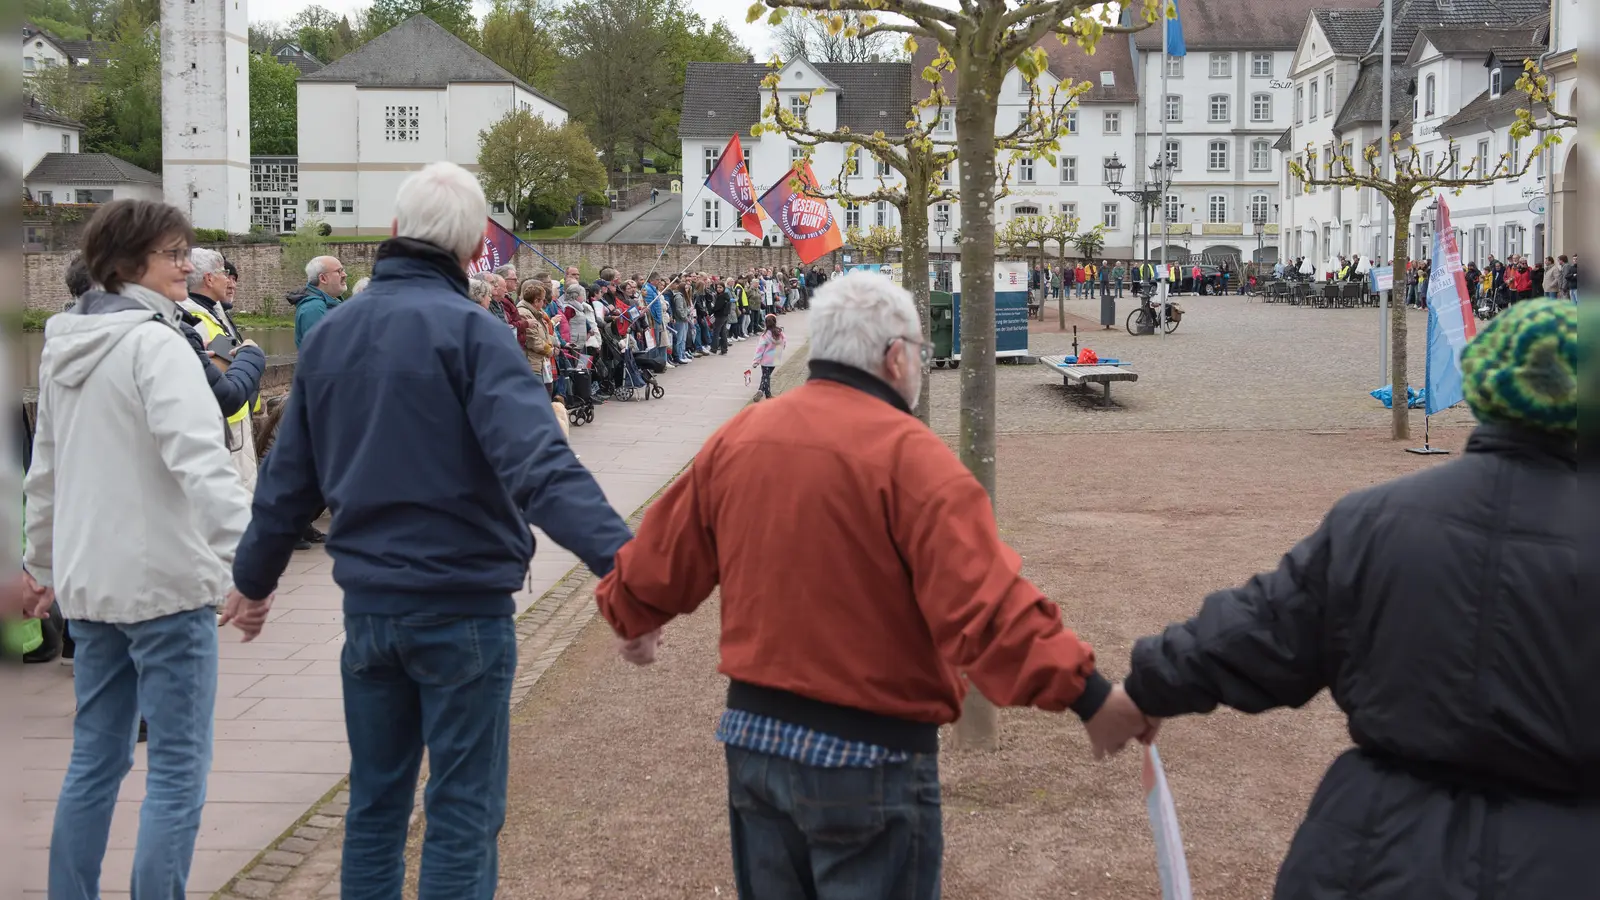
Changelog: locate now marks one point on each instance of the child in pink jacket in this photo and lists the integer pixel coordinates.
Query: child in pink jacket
(769, 353)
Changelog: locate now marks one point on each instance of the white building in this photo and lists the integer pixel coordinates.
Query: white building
(275, 194)
(42, 50)
(205, 111)
(414, 95)
(43, 131)
(1226, 103)
(724, 99)
(89, 178)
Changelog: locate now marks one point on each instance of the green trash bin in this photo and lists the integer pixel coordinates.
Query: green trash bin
(942, 324)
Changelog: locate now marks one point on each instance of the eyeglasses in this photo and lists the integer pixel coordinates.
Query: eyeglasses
(176, 255)
(924, 349)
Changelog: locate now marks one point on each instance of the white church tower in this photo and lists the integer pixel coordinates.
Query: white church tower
(205, 111)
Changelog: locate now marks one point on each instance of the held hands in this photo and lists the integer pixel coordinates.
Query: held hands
(245, 614)
(641, 651)
(1117, 722)
(35, 599)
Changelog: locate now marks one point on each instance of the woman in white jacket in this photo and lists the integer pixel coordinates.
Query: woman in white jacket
(133, 514)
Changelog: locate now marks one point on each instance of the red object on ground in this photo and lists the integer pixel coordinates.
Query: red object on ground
(1087, 357)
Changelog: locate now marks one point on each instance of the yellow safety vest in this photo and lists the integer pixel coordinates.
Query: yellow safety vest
(210, 329)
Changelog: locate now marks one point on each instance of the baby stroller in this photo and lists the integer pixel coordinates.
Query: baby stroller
(616, 375)
(651, 363)
(572, 373)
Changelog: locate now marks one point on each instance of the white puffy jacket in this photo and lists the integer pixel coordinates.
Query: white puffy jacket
(133, 507)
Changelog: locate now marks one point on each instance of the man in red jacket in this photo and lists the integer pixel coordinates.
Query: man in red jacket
(860, 582)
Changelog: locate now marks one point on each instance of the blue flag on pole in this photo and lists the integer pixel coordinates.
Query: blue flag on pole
(1450, 319)
(1175, 45)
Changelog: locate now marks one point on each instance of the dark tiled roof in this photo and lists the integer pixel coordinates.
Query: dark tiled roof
(35, 111)
(89, 168)
(98, 53)
(1516, 55)
(1412, 16)
(1237, 24)
(1282, 144)
(1365, 103)
(417, 53)
(292, 55)
(1498, 111)
(721, 99)
(1467, 39)
(1349, 31)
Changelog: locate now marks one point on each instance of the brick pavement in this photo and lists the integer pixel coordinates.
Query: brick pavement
(274, 810)
(1232, 364)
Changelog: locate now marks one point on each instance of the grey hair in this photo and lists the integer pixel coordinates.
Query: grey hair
(576, 290)
(854, 318)
(206, 262)
(479, 290)
(506, 271)
(316, 268)
(444, 205)
(360, 285)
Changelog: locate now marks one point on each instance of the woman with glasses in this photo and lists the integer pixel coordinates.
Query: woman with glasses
(134, 511)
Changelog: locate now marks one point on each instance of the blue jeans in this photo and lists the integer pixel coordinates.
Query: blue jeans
(165, 669)
(441, 682)
(808, 833)
(681, 344)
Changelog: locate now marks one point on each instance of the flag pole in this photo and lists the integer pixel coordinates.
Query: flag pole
(520, 241)
(1427, 449)
(708, 246)
(687, 211)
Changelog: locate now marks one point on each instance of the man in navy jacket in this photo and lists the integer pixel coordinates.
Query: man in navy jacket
(414, 417)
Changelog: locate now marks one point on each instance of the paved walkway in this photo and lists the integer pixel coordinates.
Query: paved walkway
(643, 223)
(280, 742)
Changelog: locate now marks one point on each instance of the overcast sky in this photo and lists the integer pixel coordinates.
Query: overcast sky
(730, 11)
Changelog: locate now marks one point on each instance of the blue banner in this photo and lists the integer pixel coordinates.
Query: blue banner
(1450, 319)
(1010, 310)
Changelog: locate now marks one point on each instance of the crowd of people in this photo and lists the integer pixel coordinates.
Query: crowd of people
(851, 625)
(1491, 287)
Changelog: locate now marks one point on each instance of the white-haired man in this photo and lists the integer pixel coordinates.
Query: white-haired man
(206, 312)
(849, 621)
(324, 287)
(415, 417)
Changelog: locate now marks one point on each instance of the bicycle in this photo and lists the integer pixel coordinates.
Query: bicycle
(1145, 316)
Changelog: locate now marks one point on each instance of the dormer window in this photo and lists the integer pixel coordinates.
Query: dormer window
(1494, 82)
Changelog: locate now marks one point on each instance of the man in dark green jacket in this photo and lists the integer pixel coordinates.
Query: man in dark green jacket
(324, 285)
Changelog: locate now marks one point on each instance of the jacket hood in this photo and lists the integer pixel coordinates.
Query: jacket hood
(295, 296)
(76, 343)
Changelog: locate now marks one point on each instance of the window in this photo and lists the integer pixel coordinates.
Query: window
(27, 64)
(1261, 65)
(1299, 104)
(1260, 156)
(744, 156)
(1070, 121)
(1221, 65)
(880, 214)
(1514, 152)
(1430, 95)
(1217, 108)
(711, 215)
(313, 206)
(1427, 162)
(711, 160)
(857, 168)
(1174, 155)
(852, 216)
(1069, 210)
(1483, 159)
(1314, 106)
(1327, 96)
(1494, 82)
(1069, 170)
(1172, 207)
(880, 167)
(798, 107)
(1173, 108)
(347, 206)
(1024, 210)
(47, 198)
(796, 154)
(1113, 122)
(274, 178)
(947, 121)
(1023, 87)
(1025, 170)
(1217, 156)
(402, 123)
(1217, 209)
(1260, 207)
(498, 207)
(66, 143)
(1111, 216)
(1175, 67)
(945, 175)
(1327, 163)
(1261, 108)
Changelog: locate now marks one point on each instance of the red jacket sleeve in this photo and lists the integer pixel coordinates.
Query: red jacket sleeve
(986, 619)
(670, 566)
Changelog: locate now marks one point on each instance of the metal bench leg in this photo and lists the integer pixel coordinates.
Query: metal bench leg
(1108, 395)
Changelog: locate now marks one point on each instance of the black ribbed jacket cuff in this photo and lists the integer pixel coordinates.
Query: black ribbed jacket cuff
(1095, 691)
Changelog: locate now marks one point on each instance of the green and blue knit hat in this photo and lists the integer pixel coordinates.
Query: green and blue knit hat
(1522, 368)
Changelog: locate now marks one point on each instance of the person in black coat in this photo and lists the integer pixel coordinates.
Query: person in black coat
(721, 308)
(1443, 613)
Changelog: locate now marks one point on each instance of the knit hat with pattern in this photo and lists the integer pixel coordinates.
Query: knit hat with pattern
(1522, 368)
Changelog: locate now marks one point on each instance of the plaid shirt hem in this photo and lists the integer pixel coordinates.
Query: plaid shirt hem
(761, 734)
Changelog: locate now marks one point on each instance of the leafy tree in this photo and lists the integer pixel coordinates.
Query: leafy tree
(264, 37)
(1090, 243)
(520, 35)
(876, 241)
(525, 161)
(979, 42)
(328, 35)
(66, 90)
(74, 20)
(273, 127)
(455, 16)
(126, 122)
(813, 38)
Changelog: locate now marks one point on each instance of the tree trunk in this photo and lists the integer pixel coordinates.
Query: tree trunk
(978, 86)
(914, 267)
(1061, 296)
(1399, 409)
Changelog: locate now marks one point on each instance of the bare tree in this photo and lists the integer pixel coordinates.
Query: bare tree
(980, 42)
(875, 241)
(808, 37)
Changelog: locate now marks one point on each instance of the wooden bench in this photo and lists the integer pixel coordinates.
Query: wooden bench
(1036, 305)
(1077, 376)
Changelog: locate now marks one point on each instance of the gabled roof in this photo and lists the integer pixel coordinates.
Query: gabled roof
(290, 54)
(1349, 31)
(722, 99)
(89, 168)
(417, 53)
(35, 111)
(1365, 103)
(1282, 144)
(1496, 111)
(1236, 25)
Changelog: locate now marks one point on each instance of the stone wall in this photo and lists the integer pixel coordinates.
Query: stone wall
(263, 283)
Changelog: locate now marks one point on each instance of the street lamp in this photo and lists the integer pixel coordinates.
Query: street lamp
(941, 224)
(1258, 218)
(1149, 196)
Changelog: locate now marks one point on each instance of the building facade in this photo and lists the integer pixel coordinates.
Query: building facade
(43, 131)
(412, 96)
(274, 194)
(205, 111)
(89, 178)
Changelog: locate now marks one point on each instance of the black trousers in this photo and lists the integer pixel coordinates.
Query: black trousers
(719, 334)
